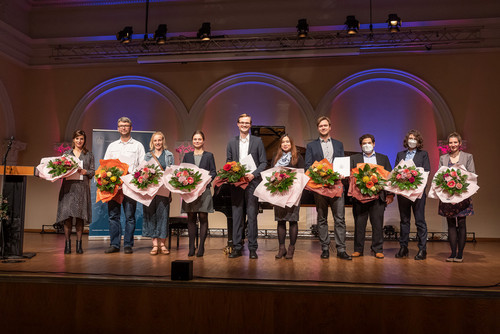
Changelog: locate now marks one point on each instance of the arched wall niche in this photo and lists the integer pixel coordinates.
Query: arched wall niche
(121, 86)
(442, 114)
(8, 127)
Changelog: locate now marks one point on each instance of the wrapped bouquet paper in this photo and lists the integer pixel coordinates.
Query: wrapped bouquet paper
(366, 182)
(407, 180)
(108, 178)
(187, 180)
(453, 184)
(55, 168)
(281, 186)
(323, 180)
(144, 184)
(233, 173)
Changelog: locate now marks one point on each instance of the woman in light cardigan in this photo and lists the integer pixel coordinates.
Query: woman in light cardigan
(456, 213)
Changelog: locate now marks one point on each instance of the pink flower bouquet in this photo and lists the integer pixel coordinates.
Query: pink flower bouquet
(55, 168)
(187, 180)
(290, 194)
(145, 183)
(407, 180)
(453, 184)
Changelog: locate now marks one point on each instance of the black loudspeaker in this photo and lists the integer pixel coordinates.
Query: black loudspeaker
(182, 270)
(13, 228)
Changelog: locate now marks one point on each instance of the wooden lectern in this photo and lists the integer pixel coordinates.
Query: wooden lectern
(14, 190)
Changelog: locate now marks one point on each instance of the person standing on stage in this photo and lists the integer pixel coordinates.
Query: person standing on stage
(373, 209)
(287, 156)
(155, 222)
(130, 151)
(328, 148)
(238, 148)
(203, 205)
(74, 196)
(456, 214)
(413, 143)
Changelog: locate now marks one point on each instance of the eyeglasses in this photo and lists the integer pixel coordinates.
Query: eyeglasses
(123, 126)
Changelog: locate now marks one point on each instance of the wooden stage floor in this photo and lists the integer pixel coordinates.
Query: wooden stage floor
(130, 293)
(480, 270)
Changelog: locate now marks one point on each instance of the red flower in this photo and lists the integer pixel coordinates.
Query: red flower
(190, 180)
(369, 184)
(411, 179)
(451, 184)
(414, 172)
(227, 167)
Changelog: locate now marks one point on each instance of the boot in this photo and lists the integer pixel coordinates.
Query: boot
(79, 249)
(67, 247)
(281, 252)
(291, 250)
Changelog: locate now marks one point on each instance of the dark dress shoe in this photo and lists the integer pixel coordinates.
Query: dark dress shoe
(128, 250)
(253, 254)
(79, 249)
(403, 252)
(112, 249)
(325, 254)
(421, 255)
(344, 256)
(235, 254)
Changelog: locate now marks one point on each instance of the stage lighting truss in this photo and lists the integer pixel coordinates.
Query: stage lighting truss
(407, 40)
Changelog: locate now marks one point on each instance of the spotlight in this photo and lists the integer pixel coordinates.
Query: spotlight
(352, 25)
(302, 28)
(204, 32)
(161, 34)
(125, 36)
(394, 22)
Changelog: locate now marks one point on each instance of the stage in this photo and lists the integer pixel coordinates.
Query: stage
(111, 292)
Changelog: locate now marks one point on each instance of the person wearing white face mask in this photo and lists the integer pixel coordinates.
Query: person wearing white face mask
(373, 209)
(413, 143)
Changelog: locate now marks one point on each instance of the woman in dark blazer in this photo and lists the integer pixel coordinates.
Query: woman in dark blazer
(456, 213)
(204, 204)
(287, 156)
(413, 143)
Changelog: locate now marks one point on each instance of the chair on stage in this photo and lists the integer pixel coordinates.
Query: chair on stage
(177, 224)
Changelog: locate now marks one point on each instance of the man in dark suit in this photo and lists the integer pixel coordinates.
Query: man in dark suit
(238, 148)
(414, 143)
(317, 150)
(373, 209)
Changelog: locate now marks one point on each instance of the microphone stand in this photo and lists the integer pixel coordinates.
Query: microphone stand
(2, 240)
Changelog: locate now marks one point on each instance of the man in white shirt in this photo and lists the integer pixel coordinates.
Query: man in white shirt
(130, 151)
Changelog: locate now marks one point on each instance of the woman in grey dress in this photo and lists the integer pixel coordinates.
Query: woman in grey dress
(155, 224)
(287, 156)
(456, 213)
(74, 196)
(204, 204)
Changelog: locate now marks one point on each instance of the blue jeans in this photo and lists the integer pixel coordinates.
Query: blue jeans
(115, 226)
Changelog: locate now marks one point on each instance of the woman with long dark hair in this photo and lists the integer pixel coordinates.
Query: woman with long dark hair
(74, 196)
(287, 156)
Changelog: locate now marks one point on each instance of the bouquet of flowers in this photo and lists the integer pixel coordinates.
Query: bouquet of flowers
(322, 173)
(4, 206)
(232, 172)
(280, 180)
(323, 180)
(284, 192)
(145, 183)
(185, 179)
(108, 178)
(146, 176)
(407, 180)
(367, 180)
(453, 184)
(55, 168)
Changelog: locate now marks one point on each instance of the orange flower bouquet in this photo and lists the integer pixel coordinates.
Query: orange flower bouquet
(108, 178)
(323, 180)
(367, 180)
